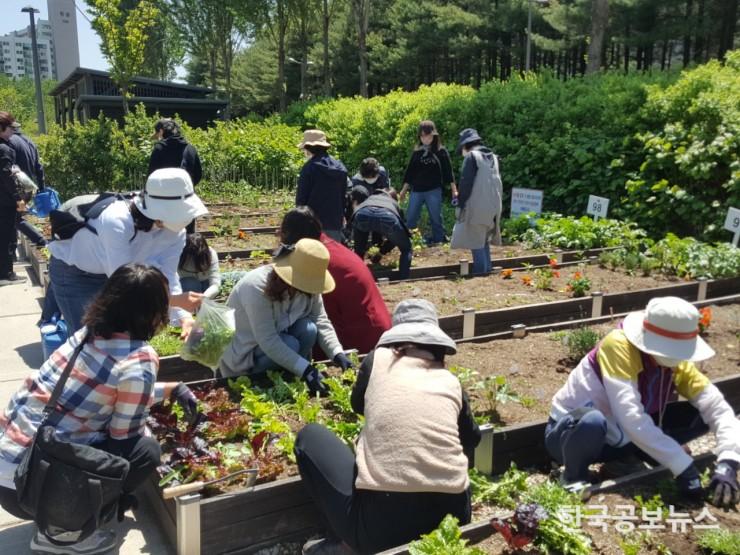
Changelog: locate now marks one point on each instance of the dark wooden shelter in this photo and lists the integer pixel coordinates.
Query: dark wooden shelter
(87, 92)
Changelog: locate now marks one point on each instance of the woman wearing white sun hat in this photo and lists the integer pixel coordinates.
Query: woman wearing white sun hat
(148, 230)
(614, 402)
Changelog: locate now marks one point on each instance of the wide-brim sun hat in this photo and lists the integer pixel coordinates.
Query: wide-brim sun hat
(668, 327)
(168, 196)
(415, 321)
(306, 268)
(314, 137)
(467, 136)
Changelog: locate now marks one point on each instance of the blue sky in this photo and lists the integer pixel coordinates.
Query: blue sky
(12, 19)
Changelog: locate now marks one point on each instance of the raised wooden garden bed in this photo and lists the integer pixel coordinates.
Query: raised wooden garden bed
(247, 520)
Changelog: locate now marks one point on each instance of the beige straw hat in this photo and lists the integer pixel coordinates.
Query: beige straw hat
(314, 137)
(306, 268)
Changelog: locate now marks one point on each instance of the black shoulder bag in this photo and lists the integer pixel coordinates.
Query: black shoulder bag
(69, 489)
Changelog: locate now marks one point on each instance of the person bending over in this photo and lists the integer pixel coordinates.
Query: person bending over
(615, 403)
(413, 454)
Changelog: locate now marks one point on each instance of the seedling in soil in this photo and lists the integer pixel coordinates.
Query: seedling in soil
(653, 504)
(447, 538)
(579, 342)
(167, 342)
(641, 542)
(720, 542)
(579, 284)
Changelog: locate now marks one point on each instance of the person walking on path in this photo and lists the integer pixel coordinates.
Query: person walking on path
(413, 453)
(478, 213)
(322, 183)
(198, 268)
(429, 170)
(149, 230)
(279, 317)
(615, 403)
(28, 160)
(106, 399)
(356, 308)
(172, 151)
(11, 203)
(380, 215)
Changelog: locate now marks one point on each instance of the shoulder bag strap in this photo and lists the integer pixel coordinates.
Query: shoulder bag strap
(59, 387)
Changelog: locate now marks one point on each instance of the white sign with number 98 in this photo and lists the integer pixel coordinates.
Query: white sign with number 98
(597, 206)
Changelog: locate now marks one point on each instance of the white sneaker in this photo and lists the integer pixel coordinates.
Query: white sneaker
(100, 541)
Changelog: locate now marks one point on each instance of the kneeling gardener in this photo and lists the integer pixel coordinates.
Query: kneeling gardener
(615, 403)
(380, 214)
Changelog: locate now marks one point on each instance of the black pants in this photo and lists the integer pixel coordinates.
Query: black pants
(143, 454)
(368, 521)
(33, 234)
(7, 240)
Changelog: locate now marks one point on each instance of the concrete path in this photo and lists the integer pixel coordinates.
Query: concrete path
(20, 352)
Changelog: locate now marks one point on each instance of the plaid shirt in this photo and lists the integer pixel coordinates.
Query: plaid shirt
(108, 394)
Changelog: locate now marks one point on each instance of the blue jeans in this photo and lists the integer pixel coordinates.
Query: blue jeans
(193, 284)
(482, 260)
(376, 220)
(300, 337)
(73, 290)
(433, 200)
(578, 439)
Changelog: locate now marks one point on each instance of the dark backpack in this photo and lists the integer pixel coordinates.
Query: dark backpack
(74, 214)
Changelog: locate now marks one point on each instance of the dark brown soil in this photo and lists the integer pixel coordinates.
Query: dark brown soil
(487, 293)
(538, 365)
(245, 220)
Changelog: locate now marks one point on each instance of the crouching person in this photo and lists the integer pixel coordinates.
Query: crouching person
(615, 403)
(380, 214)
(106, 398)
(280, 316)
(411, 467)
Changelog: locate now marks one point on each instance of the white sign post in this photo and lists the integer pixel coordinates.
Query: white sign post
(597, 207)
(732, 223)
(524, 201)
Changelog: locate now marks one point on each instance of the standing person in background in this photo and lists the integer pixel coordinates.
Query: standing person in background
(355, 307)
(172, 151)
(322, 183)
(150, 230)
(372, 176)
(478, 213)
(27, 159)
(198, 268)
(427, 173)
(11, 202)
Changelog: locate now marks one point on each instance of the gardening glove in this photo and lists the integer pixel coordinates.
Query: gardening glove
(724, 490)
(342, 360)
(125, 502)
(689, 484)
(314, 381)
(189, 403)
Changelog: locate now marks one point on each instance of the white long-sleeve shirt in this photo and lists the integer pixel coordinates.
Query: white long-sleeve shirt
(212, 275)
(113, 247)
(617, 396)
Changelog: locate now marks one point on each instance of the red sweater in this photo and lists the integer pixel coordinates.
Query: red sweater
(356, 308)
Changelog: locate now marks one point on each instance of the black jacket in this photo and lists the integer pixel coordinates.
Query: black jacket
(382, 183)
(27, 158)
(9, 195)
(322, 185)
(428, 170)
(176, 152)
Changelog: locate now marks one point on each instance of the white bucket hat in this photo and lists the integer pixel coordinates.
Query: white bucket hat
(168, 196)
(668, 327)
(415, 321)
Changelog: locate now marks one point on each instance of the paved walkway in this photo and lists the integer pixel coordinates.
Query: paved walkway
(20, 352)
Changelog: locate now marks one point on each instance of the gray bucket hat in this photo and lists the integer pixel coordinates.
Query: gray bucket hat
(415, 321)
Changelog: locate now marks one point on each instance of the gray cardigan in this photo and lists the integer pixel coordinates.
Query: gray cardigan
(260, 321)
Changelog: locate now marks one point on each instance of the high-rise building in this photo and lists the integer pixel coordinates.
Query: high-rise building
(59, 52)
(63, 20)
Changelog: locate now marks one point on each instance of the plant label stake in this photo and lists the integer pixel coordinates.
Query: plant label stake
(732, 223)
(597, 207)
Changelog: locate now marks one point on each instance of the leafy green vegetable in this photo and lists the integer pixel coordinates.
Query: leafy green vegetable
(503, 492)
(446, 539)
(720, 542)
(211, 334)
(167, 342)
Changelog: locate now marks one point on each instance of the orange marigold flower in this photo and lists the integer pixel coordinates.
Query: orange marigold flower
(577, 275)
(242, 234)
(527, 280)
(553, 262)
(556, 274)
(507, 273)
(705, 318)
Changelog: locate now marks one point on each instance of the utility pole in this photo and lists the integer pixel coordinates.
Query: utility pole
(529, 35)
(36, 69)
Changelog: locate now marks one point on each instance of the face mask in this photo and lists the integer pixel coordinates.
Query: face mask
(371, 180)
(667, 362)
(175, 227)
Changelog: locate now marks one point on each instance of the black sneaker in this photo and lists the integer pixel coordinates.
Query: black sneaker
(12, 279)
